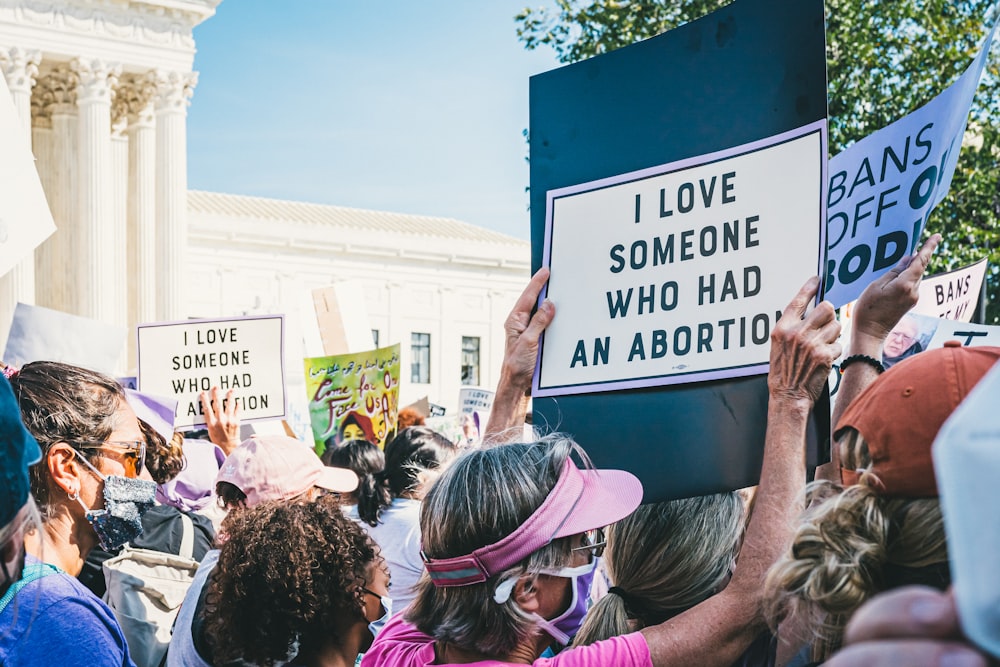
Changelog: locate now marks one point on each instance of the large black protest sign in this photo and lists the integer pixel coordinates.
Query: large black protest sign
(664, 157)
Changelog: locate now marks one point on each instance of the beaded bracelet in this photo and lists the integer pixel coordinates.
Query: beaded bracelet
(871, 361)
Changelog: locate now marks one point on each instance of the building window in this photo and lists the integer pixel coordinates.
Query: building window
(420, 358)
(375, 337)
(470, 360)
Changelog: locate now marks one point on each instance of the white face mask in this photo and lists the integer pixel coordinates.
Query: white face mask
(565, 625)
(376, 626)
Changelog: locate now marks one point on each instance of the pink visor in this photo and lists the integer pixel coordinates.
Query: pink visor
(581, 500)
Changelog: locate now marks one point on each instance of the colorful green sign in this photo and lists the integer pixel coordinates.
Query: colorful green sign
(353, 396)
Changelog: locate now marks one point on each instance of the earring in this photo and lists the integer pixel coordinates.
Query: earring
(74, 495)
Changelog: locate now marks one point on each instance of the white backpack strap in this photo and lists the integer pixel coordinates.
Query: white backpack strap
(187, 537)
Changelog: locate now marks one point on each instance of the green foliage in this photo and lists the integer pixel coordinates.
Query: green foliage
(884, 59)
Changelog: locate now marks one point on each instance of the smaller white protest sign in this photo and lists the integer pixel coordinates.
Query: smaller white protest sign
(474, 399)
(43, 334)
(678, 273)
(25, 219)
(245, 354)
(952, 295)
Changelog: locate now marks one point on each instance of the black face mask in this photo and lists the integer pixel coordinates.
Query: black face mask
(125, 501)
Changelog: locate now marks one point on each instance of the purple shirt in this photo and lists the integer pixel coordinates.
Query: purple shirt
(55, 620)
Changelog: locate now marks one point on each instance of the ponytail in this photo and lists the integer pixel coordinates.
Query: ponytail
(609, 617)
(373, 496)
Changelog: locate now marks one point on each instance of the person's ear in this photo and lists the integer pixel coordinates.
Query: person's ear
(64, 470)
(526, 594)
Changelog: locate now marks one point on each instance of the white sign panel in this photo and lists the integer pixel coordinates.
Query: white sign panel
(952, 295)
(245, 354)
(25, 219)
(43, 334)
(474, 399)
(968, 334)
(678, 273)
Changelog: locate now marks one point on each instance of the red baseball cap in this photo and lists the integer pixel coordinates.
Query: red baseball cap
(900, 414)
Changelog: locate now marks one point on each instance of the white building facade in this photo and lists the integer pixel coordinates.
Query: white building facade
(439, 287)
(103, 89)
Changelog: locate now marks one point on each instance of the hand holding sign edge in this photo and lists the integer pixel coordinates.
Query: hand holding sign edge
(522, 330)
(803, 348)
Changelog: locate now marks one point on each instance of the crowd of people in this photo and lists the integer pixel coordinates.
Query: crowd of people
(511, 552)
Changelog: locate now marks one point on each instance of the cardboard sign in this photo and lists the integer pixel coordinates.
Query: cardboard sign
(25, 218)
(353, 396)
(38, 334)
(678, 273)
(342, 318)
(884, 187)
(245, 354)
(753, 70)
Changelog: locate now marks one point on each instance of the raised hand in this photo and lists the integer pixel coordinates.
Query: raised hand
(221, 419)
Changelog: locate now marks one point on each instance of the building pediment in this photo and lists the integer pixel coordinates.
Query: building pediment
(140, 34)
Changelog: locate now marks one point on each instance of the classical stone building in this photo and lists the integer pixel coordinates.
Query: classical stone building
(439, 287)
(103, 88)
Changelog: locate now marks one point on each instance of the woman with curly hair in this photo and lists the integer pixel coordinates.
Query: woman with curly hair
(268, 468)
(295, 584)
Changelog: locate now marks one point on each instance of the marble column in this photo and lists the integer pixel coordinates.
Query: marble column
(98, 291)
(43, 146)
(118, 309)
(19, 69)
(141, 211)
(173, 94)
(55, 99)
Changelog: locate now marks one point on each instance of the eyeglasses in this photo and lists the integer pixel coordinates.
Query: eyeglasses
(134, 455)
(593, 541)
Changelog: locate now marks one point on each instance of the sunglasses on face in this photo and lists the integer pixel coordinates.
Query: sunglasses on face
(594, 542)
(131, 452)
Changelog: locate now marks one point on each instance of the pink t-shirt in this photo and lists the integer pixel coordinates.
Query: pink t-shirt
(400, 644)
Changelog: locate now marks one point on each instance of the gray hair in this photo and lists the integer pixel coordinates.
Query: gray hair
(667, 557)
(484, 496)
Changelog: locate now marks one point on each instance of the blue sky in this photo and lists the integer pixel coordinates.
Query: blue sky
(416, 107)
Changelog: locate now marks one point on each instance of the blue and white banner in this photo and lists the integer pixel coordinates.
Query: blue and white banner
(884, 187)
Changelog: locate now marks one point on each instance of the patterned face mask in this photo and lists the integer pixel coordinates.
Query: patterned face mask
(125, 501)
